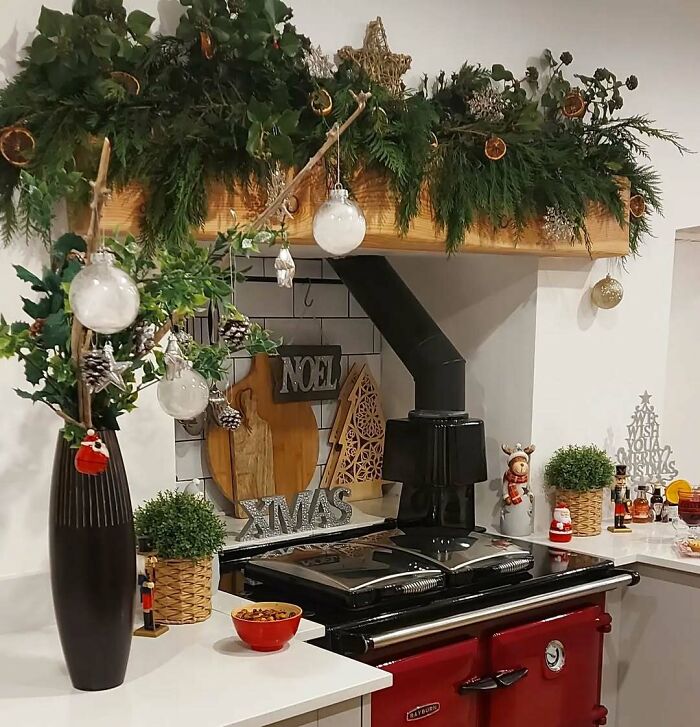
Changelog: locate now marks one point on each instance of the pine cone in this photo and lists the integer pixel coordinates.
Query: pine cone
(94, 366)
(233, 332)
(229, 418)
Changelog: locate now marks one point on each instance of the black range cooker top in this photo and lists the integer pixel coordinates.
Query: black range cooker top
(391, 579)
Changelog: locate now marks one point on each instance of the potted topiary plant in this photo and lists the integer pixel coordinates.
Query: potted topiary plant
(184, 532)
(580, 475)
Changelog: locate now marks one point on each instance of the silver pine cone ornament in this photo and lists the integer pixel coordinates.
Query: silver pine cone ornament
(557, 226)
(95, 367)
(487, 105)
(234, 330)
(228, 418)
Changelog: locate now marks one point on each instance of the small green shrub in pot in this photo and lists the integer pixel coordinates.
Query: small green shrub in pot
(580, 475)
(184, 532)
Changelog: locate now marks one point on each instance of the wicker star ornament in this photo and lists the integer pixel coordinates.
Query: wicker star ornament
(376, 60)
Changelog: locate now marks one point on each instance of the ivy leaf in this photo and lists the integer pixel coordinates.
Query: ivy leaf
(281, 147)
(43, 50)
(254, 143)
(24, 394)
(139, 23)
(288, 121)
(29, 277)
(50, 22)
(290, 43)
(35, 366)
(37, 309)
(258, 112)
(220, 35)
(499, 73)
(56, 330)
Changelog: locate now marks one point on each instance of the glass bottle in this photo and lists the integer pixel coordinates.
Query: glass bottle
(628, 505)
(657, 503)
(640, 507)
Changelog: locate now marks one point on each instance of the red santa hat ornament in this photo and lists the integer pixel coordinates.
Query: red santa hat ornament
(560, 530)
(92, 457)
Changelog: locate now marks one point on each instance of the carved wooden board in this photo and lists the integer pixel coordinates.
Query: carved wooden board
(357, 438)
(253, 461)
(294, 436)
(122, 214)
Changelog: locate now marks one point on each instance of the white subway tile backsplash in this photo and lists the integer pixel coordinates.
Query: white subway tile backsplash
(256, 266)
(241, 368)
(262, 300)
(308, 268)
(190, 460)
(317, 408)
(354, 335)
(181, 434)
(296, 331)
(328, 410)
(324, 448)
(328, 271)
(321, 301)
(356, 310)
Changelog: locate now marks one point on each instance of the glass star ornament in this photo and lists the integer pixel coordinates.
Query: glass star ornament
(115, 371)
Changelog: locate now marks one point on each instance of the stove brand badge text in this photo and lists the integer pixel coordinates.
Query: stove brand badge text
(427, 710)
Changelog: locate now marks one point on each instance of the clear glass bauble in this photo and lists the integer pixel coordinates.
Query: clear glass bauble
(607, 293)
(185, 396)
(339, 225)
(103, 297)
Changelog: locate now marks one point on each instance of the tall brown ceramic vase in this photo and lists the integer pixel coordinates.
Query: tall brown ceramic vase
(93, 567)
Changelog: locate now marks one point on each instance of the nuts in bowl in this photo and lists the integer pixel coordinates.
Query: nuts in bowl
(266, 626)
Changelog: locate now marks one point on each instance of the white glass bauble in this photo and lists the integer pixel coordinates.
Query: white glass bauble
(103, 297)
(339, 225)
(185, 396)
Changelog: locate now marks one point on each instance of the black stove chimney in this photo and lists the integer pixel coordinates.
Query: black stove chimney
(438, 452)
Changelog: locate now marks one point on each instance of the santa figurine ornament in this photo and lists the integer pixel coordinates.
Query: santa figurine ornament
(560, 529)
(517, 503)
(92, 457)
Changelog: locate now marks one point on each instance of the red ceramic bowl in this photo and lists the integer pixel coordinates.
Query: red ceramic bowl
(267, 635)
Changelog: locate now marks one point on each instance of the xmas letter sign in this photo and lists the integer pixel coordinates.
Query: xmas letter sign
(270, 516)
(306, 373)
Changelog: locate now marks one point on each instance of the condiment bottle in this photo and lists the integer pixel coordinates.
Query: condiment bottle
(640, 507)
(657, 503)
(628, 505)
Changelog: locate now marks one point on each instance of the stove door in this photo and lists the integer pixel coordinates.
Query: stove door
(426, 689)
(562, 656)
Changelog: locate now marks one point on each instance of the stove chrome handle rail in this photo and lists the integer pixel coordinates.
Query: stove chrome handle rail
(417, 631)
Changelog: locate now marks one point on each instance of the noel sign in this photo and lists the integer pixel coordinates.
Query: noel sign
(306, 373)
(308, 510)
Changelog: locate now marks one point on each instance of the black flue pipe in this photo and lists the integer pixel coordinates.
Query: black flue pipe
(437, 368)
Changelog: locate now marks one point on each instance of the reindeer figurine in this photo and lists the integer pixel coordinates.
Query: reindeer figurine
(517, 504)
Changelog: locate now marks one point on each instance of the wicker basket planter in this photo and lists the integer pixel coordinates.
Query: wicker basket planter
(586, 510)
(183, 591)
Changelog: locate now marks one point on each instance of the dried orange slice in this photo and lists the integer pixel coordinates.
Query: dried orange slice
(128, 82)
(17, 145)
(574, 106)
(674, 489)
(638, 205)
(206, 44)
(321, 102)
(495, 148)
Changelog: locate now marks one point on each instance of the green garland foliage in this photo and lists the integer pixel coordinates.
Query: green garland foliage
(234, 116)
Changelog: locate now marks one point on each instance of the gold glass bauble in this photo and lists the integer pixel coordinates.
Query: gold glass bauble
(607, 293)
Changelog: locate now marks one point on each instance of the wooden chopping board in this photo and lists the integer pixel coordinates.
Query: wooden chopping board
(253, 475)
(292, 426)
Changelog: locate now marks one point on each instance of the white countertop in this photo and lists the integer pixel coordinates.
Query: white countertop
(198, 675)
(651, 544)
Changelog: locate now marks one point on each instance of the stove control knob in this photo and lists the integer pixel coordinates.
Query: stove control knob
(600, 715)
(604, 623)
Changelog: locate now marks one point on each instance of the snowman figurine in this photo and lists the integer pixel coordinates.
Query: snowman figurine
(560, 529)
(517, 500)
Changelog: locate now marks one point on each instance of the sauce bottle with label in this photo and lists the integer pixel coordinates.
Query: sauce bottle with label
(657, 503)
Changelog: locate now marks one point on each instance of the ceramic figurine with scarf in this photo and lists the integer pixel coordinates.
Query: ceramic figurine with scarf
(518, 501)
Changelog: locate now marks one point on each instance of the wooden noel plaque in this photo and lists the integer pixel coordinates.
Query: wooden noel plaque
(306, 373)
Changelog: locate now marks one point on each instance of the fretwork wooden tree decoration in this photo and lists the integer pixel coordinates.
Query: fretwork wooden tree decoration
(357, 438)
(645, 458)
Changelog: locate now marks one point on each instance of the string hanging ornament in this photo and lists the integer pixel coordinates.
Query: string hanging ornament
(607, 293)
(339, 224)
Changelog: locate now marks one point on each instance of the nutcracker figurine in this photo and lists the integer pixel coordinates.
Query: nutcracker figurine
(147, 588)
(517, 503)
(560, 529)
